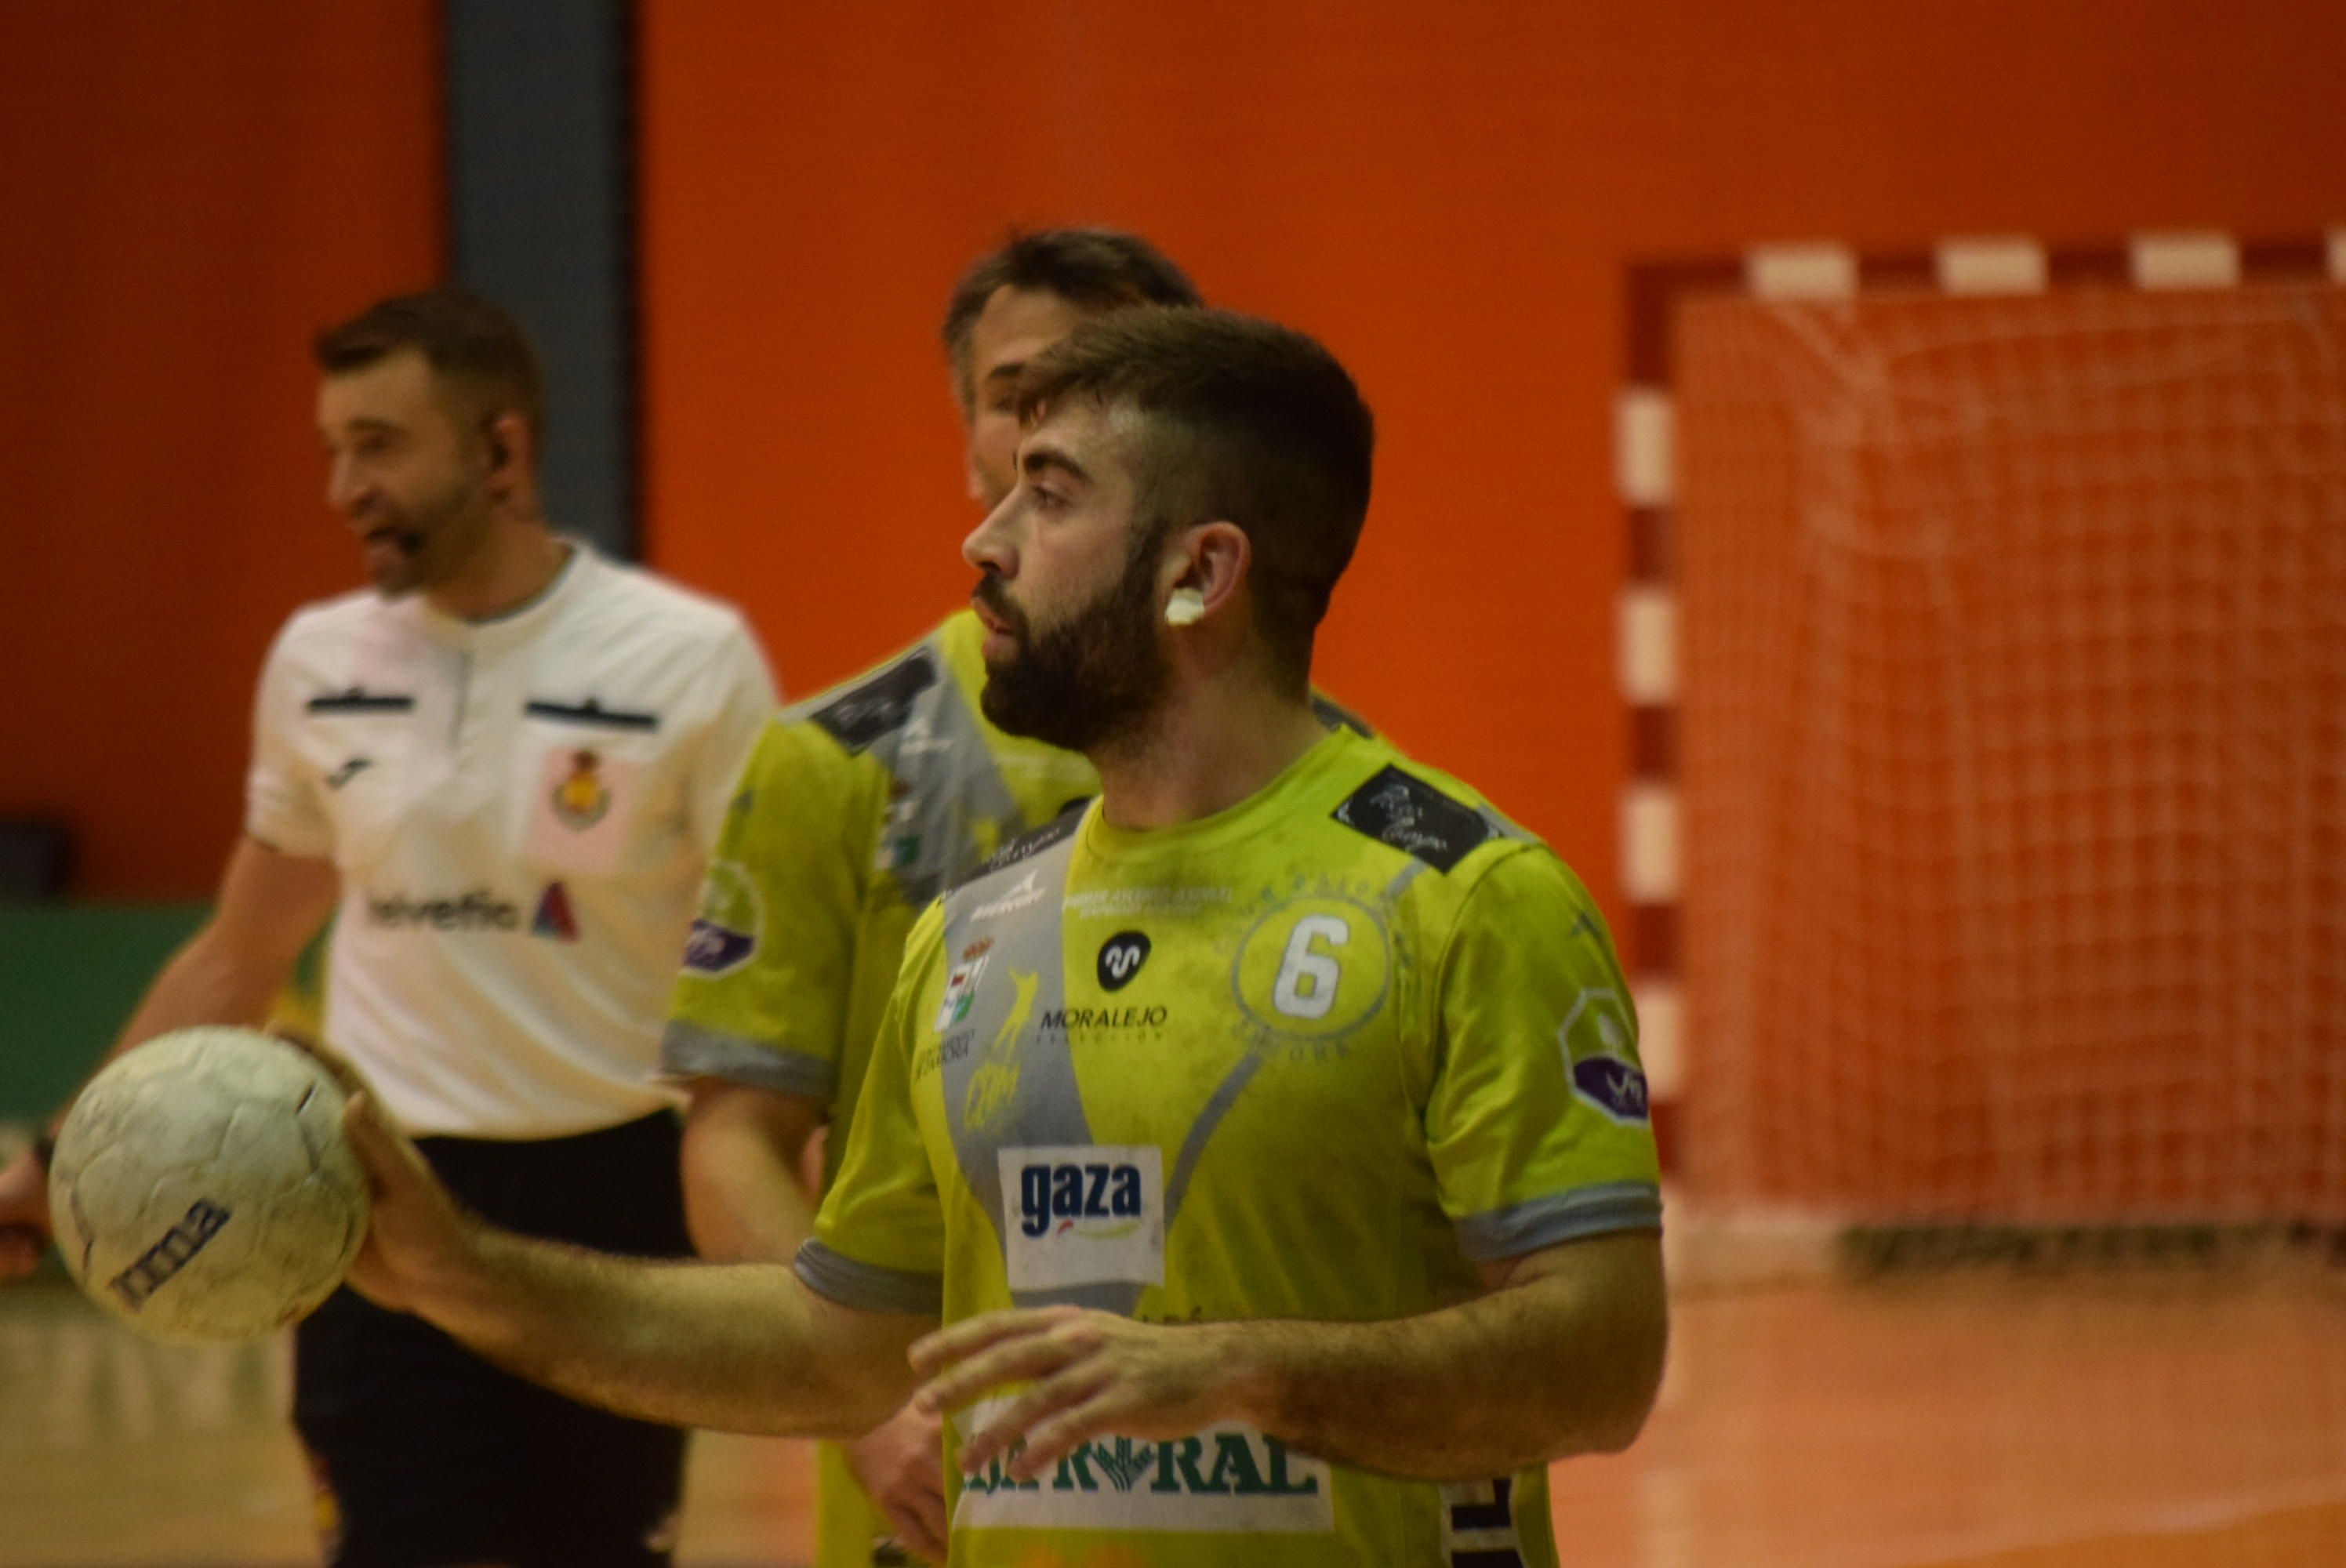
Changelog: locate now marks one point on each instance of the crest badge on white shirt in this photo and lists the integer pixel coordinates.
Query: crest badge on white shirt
(579, 809)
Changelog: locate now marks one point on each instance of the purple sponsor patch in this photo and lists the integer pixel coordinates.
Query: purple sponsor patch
(1612, 1085)
(713, 949)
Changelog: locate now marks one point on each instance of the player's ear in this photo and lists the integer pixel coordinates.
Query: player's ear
(1203, 565)
(507, 437)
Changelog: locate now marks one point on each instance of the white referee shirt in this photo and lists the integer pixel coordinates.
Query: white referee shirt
(520, 809)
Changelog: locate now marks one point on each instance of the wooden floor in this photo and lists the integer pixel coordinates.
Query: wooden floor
(2086, 1422)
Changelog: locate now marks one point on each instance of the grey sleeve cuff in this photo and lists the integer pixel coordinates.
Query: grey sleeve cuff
(1553, 1217)
(691, 1051)
(868, 1286)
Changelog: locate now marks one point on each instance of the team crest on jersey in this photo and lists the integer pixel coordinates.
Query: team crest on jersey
(1599, 1037)
(961, 985)
(579, 817)
(582, 798)
(1405, 811)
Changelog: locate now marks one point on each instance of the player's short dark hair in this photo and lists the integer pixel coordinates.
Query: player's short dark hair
(1244, 422)
(472, 344)
(1099, 269)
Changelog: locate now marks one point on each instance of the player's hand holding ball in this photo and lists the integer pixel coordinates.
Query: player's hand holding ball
(202, 1189)
(419, 1236)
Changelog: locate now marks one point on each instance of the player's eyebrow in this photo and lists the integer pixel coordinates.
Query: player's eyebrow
(1008, 371)
(1035, 459)
(351, 428)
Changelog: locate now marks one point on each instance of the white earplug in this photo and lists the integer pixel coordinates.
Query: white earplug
(1186, 607)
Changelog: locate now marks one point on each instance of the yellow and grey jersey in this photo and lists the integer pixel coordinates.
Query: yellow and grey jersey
(855, 809)
(1315, 1056)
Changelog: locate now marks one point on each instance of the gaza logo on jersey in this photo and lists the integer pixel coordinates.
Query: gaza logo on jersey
(1085, 1214)
(961, 984)
(1229, 1478)
(1599, 1037)
(725, 933)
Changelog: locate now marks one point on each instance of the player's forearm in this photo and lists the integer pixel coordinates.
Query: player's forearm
(737, 1348)
(1518, 1377)
(744, 1197)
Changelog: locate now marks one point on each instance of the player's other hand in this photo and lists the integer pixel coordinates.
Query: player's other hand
(901, 1463)
(1085, 1375)
(417, 1238)
(23, 1215)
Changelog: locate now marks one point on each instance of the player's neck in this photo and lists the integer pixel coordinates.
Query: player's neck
(1211, 745)
(518, 560)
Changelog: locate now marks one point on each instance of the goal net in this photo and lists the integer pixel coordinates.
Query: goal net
(2013, 639)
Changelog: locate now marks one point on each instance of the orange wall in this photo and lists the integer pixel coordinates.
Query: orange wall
(186, 194)
(1446, 194)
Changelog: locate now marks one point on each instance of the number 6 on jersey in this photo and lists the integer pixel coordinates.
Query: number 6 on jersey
(1306, 986)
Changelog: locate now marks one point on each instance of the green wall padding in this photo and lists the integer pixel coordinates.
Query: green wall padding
(69, 976)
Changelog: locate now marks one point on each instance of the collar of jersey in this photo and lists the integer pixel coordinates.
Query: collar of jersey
(523, 622)
(1263, 810)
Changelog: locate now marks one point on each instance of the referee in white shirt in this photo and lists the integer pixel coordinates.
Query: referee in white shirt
(501, 768)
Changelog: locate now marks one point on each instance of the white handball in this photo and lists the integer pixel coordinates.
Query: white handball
(202, 1189)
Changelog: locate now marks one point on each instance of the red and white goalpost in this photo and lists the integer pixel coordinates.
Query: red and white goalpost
(1986, 649)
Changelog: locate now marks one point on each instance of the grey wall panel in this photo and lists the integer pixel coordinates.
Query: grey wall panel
(542, 207)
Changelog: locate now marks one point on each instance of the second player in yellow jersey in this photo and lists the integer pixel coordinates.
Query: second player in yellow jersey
(856, 809)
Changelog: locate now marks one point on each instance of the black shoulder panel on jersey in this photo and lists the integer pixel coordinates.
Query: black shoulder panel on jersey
(1033, 841)
(1403, 810)
(880, 706)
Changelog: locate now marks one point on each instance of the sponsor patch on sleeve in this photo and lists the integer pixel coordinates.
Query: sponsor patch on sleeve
(1400, 809)
(725, 933)
(1599, 1037)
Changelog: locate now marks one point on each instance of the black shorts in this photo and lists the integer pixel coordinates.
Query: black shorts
(426, 1455)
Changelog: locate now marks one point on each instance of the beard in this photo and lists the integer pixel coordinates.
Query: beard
(1095, 678)
(409, 548)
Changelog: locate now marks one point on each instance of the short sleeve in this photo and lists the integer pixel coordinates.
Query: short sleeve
(744, 698)
(1537, 1123)
(281, 805)
(879, 1240)
(769, 973)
